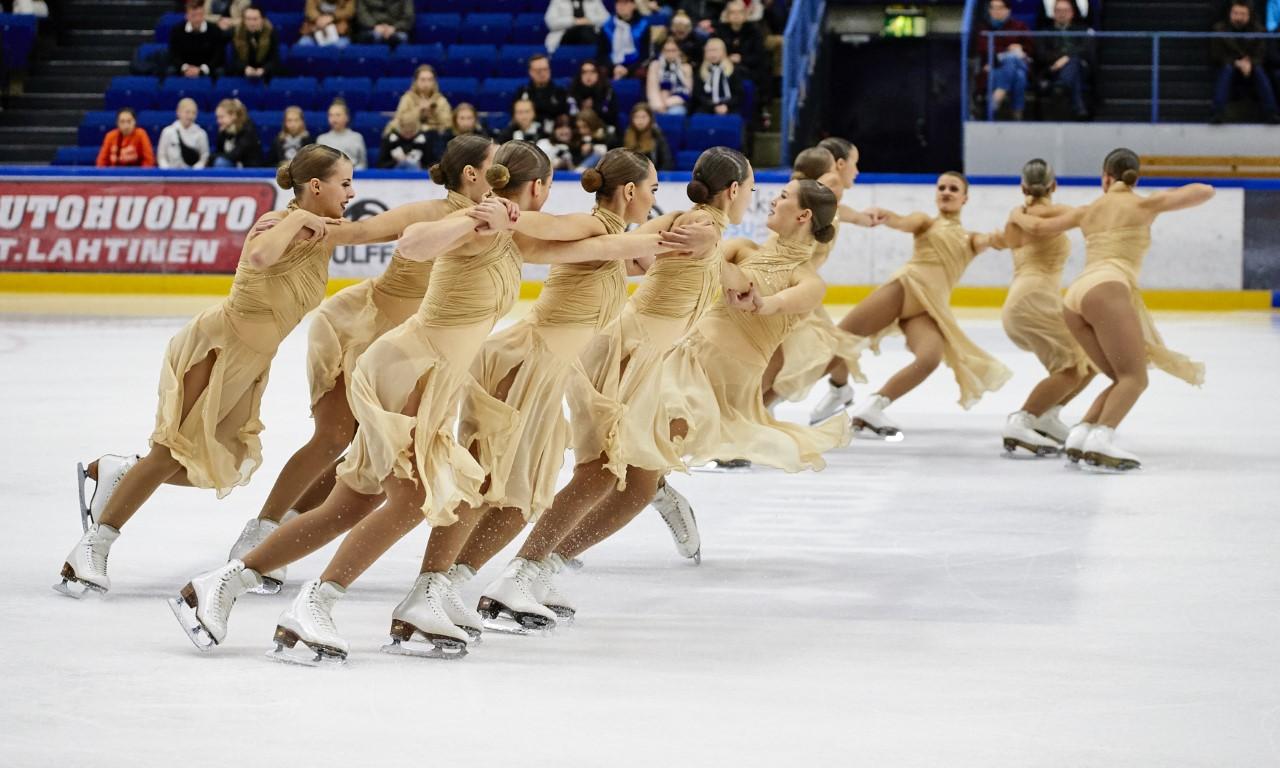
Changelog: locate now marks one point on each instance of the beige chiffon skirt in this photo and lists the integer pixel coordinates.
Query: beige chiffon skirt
(807, 352)
(343, 328)
(1032, 318)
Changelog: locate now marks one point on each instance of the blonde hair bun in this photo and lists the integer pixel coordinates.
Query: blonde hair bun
(284, 179)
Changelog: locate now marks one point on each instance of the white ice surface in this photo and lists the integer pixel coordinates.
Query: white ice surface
(927, 603)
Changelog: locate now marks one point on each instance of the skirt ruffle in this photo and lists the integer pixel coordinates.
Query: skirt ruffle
(807, 352)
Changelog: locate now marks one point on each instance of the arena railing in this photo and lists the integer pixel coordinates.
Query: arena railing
(1156, 38)
(800, 45)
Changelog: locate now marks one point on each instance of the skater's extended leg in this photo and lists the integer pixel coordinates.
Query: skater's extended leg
(1108, 309)
(320, 489)
(334, 427)
(872, 315)
(608, 517)
(305, 534)
(376, 533)
(1055, 389)
(925, 341)
(490, 533)
(770, 375)
(591, 484)
(447, 542)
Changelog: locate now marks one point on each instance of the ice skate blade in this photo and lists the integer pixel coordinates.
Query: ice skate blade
(184, 612)
(290, 649)
(86, 515)
(574, 563)
(75, 588)
(269, 587)
(424, 650)
(564, 615)
(1011, 446)
(696, 557)
(865, 431)
(1097, 462)
(503, 625)
(723, 469)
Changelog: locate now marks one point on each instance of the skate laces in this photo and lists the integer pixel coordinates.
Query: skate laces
(97, 556)
(319, 607)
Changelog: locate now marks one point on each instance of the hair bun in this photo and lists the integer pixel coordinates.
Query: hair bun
(1130, 176)
(799, 176)
(592, 180)
(284, 178)
(437, 174)
(698, 192)
(1037, 191)
(825, 234)
(498, 175)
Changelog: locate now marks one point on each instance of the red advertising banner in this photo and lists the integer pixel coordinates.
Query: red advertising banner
(165, 226)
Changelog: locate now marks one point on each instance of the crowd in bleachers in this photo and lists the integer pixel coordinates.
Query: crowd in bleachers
(392, 82)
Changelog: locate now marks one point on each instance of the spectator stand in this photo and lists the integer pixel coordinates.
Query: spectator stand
(801, 42)
(17, 39)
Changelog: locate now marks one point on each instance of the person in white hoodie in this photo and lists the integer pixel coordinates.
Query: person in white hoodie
(183, 144)
(574, 22)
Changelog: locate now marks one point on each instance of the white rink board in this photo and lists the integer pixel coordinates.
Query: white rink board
(1202, 249)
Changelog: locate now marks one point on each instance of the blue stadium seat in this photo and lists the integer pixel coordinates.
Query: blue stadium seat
(467, 61)
(317, 120)
(288, 25)
(496, 121)
(132, 91)
(150, 59)
(17, 39)
(496, 94)
(357, 91)
(441, 28)
(155, 120)
(406, 58)
(458, 89)
(175, 88)
(76, 156)
(370, 125)
(242, 88)
(506, 7)
(713, 131)
(627, 93)
(371, 154)
(452, 6)
(686, 159)
(513, 60)
(747, 106)
(567, 58)
(529, 28)
(166, 24)
(486, 28)
(387, 92)
(317, 61)
(360, 61)
(304, 92)
(673, 128)
(272, 7)
(93, 126)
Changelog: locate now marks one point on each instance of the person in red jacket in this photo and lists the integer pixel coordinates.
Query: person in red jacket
(126, 144)
(1012, 66)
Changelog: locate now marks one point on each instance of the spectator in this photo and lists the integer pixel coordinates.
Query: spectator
(574, 22)
(1067, 60)
(424, 99)
(669, 86)
(237, 145)
(126, 145)
(183, 144)
(590, 91)
(405, 145)
(561, 146)
(1047, 11)
(255, 46)
(719, 87)
(292, 137)
(195, 45)
(626, 42)
(645, 137)
(524, 124)
(1012, 60)
(702, 12)
(743, 40)
(328, 22)
(342, 138)
(37, 8)
(683, 33)
(594, 137)
(465, 121)
(225, 14)
(549, 100)
(384, 21)
(1239, 61)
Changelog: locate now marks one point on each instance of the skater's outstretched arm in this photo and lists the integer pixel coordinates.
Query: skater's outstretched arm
(733, 252)
(857, 218)
(1188, 196)
(1052, 225)
(915, 223)
(264, 247)
(981, 241)
(566, 227)
(602, 248)
(804, 295)
(389, 225)
(428, 240)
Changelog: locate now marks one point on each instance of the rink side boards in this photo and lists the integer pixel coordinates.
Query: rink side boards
(1225, 256)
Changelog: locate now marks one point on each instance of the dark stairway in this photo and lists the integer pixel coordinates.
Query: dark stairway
(95, 41)
(1124, 79)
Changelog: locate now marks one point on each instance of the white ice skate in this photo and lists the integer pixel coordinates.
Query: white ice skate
(308, 622)
(1101, 452)
(869, 420)
(420, 626)
(836, 400)
(546, 592)
(677, 513)
(255, 532)
(111, 468)
(1020, 433)
(509, 604)
(459, 612)
(85, 569)
(1074, 444)
(1050, 425)
(204, 605)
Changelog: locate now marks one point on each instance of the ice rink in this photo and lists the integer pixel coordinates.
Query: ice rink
(926, 603)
